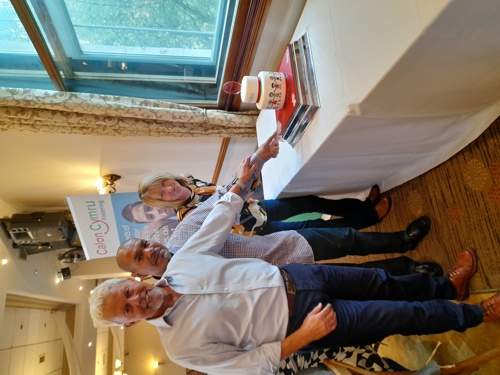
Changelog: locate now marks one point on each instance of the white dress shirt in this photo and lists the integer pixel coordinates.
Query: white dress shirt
(233, 313)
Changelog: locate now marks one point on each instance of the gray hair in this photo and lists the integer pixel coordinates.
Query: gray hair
(96, 301)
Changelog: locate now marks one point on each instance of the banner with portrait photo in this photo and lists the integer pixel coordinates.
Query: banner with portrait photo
(103, 222)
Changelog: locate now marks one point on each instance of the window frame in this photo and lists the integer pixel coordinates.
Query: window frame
(248, 25)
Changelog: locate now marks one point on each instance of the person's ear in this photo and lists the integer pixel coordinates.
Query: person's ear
(126, 325)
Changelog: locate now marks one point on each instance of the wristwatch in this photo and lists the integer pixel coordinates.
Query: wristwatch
(237, 181)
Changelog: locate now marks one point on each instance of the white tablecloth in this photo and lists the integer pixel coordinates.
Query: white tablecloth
(404, 85)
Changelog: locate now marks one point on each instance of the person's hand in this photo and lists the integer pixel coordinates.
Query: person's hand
(319, 322)
(245, 171)
(270, 148)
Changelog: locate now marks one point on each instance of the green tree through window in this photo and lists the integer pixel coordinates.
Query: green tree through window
(169, 49)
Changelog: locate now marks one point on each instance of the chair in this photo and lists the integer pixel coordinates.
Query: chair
(466, 367)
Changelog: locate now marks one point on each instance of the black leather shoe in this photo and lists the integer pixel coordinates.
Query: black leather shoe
(417, 230)
(432, 268)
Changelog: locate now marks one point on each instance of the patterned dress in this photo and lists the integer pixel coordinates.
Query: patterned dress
(364, 357)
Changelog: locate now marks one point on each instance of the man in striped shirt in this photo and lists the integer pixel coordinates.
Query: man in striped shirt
(302, 245)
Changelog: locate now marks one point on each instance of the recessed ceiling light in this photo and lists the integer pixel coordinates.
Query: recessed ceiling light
(4, 261)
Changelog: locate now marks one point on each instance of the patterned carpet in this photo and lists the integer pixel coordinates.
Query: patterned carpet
(462, 198)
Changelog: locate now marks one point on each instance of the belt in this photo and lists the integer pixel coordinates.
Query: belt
(290, 290)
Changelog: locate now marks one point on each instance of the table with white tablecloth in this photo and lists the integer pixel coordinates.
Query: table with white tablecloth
(403, 85)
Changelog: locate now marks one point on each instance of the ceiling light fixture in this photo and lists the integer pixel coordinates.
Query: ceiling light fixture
(106, 184)
(63, 274)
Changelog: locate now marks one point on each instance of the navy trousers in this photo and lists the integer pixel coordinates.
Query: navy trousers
(352, 213)
(371, 304)
(329, 243)
(397, 266)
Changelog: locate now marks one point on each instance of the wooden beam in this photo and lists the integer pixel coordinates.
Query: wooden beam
(41, 47)
(248, 27)
(220, 159)
(14, 300)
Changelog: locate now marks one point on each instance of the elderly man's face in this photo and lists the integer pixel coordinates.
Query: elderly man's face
(131, 301)
(143, 258)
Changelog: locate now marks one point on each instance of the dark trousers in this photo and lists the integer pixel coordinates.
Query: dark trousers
(371, 304)
(329, 243)
(395, 266)
(352, 213)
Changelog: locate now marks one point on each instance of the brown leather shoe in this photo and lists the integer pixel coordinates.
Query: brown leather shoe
(383, 207)
(374, 194)
(461, 274)
(491, 308)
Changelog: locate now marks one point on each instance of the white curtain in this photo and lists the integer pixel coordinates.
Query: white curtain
(118, 350)
(69, 345)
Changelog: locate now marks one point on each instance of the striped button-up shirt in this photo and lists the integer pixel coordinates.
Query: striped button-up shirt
(277, 248)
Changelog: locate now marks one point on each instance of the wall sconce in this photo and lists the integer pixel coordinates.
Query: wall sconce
(119, 368)
(156, 364)
(106, 184)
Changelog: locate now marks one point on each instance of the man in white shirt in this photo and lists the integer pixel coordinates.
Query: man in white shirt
(243, 316)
